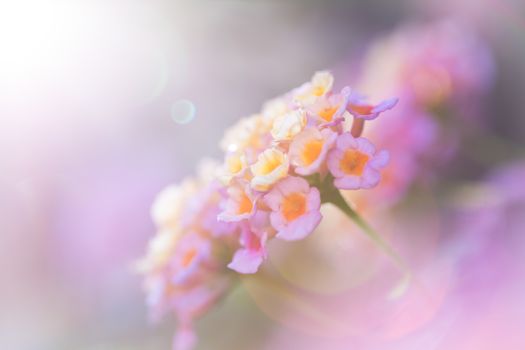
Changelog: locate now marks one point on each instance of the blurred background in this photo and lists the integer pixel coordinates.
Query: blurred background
(103, 103)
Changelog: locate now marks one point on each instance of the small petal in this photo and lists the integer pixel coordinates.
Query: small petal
(365, 146)
(370, 179)
(246, 261)
(380, 160)
(300, 228)
(346, 140)
(359, 108)
(348, 183)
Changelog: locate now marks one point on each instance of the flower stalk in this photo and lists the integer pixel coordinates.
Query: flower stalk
(330, 194)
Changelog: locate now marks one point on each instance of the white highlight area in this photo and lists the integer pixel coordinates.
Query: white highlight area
(35, 36)
(80, 67)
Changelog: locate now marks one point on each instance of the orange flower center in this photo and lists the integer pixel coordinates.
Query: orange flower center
(245, 204)
(364, 110)
(353, 162)
(188, 257)
(311, 151)
(293, 206)
(328, 113)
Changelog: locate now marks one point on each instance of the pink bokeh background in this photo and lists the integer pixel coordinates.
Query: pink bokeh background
(88, 137)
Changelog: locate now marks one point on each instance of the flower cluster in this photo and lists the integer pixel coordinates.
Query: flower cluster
(280, 165)
(276, 160)
(440, 71)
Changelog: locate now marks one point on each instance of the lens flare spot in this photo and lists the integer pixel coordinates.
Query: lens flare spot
(183, 112)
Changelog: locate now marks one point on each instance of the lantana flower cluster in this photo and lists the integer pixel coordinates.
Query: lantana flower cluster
(279, 166)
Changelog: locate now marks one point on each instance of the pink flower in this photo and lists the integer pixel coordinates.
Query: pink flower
(240, 204)
(202, 209)
(187, 302)
(210, 223)
(169, 205)
(190, 303)
(191, 255)
(295, 208)
(355, 164)
(330, 110)
(309, 149)
(160, 250)
(248, 259)
(359, 108)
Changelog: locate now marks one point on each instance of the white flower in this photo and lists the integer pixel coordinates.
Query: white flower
(160, 250)
(271, 166)
(170, 202)
(320, 85)
(286, 126)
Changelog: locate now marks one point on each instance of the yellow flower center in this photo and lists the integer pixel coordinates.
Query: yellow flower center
(353, 162)
(293, 206)
(245, 205)
(327, 113)
(188, 257)
(311, 152)
(234, 164)
(270, 165)
(318, 91)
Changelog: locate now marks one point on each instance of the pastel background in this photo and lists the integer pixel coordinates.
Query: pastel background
(92, 127)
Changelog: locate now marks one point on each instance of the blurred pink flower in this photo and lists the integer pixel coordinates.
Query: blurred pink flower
(440, 71)
(185, 338)
(191, 255)
(183, 269)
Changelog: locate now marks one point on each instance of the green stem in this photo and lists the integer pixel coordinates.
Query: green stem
(330, 194)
